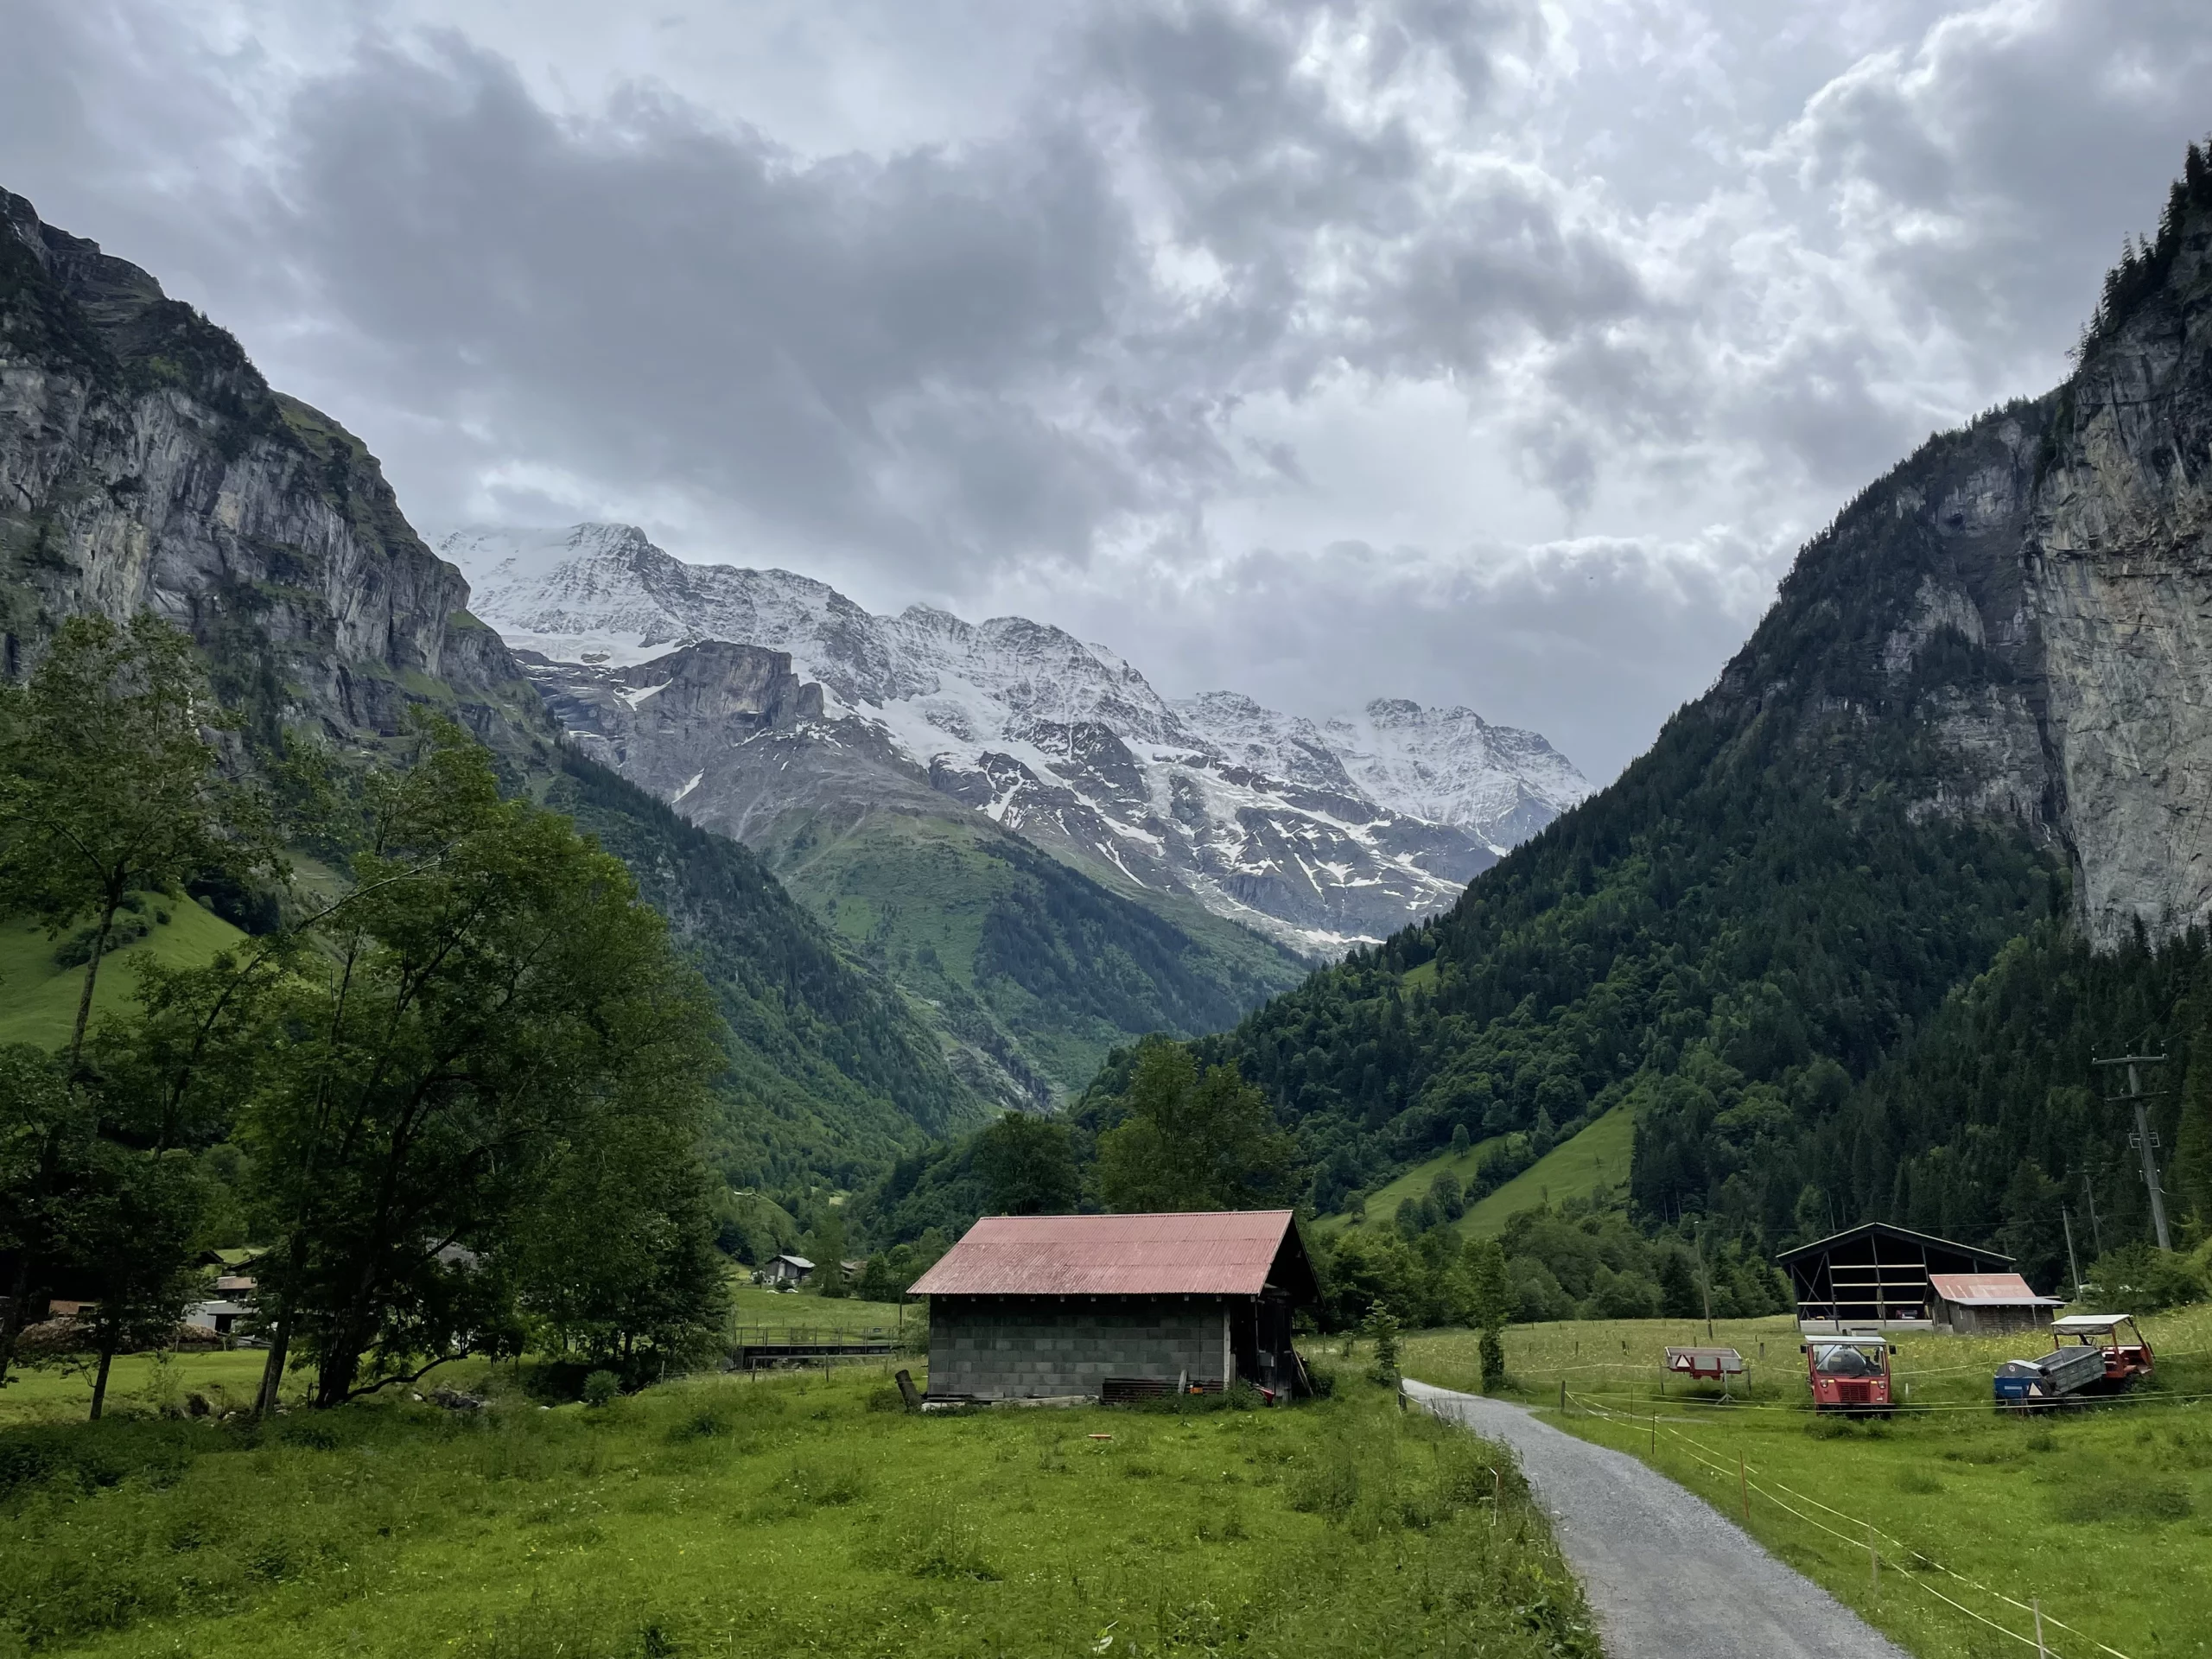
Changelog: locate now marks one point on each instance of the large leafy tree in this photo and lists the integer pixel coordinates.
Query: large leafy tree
(130, 1226)
(493, 988)
(1194, 1139)
(45, 1133)
(1028, 1167)
(108, 784)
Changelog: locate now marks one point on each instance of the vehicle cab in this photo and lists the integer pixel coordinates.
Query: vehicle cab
(1848, 1373)
(2126, 1350)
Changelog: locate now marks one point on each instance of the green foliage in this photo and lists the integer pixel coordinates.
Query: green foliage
(497, 997)
(1193, 1141)
(107, 786)
(1380, 1328)
(830, 1075)
(1026, 1165)
(602, 1389)
(2140, 1278)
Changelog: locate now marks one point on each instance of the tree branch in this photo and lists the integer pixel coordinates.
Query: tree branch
(416, 1377)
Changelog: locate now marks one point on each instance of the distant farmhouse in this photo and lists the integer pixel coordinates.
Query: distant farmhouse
(1117, 1306)
(785, 1269)
(1878, 1277)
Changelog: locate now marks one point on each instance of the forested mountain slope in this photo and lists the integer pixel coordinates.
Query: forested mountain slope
(1979, 712)
(145, 464)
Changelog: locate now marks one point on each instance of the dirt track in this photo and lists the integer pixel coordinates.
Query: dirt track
(1668, 1577)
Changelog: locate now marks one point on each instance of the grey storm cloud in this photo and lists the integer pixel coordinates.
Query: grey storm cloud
(1486, 352)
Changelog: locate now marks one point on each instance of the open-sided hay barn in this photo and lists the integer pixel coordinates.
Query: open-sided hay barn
(1104, 1306)
(1878, 1277)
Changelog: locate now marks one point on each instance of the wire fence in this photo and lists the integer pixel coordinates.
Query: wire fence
(1869, 1536)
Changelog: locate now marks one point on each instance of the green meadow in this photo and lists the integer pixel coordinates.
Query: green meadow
(1596, 1156)
(38, 997)
(2102, 1514)
(790, 1514)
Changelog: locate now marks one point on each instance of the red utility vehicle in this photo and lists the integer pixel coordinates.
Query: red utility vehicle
(2126, 1357)
(1849, 1373)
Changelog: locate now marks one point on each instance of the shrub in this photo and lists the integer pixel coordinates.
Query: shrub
(602, 1389)
(2138, 1279)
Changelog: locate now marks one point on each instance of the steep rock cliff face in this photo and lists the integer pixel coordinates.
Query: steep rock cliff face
(2017, 622)
(144, 463)
(2119, 568)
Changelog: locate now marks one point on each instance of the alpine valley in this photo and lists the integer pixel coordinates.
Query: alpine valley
(902, 774)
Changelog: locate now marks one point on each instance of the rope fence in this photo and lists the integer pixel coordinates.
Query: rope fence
(1869, 1532)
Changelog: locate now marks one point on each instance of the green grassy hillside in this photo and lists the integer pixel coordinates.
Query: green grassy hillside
(1033, 970)
(832, 1071)
(38, 999)
(1578, 1166)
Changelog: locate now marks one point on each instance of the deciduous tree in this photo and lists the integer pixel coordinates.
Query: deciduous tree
(1194, 1141)
(108, 784)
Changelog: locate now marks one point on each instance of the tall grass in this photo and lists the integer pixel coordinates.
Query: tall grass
(789, 1514)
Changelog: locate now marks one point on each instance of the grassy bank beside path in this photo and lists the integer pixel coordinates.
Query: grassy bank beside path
(793, 1514)
(2103, 1515)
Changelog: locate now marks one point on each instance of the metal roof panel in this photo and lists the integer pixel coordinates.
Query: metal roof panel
(1988, 1290)
(1201, 1253)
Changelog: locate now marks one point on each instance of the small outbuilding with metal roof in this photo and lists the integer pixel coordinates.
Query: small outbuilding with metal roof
(1989, 1304)
(1106, 1306)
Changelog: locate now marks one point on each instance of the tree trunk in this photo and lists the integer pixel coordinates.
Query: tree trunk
(99, 1379)
(92, 973)
(335, 1378)
(12, 1325)
(272, 1373)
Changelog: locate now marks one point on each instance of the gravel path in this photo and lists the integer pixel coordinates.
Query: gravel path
(1667, 1575)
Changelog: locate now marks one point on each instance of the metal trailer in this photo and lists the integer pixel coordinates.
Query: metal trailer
(1705, 1364)
(1850, 1373)
(2027, 1384)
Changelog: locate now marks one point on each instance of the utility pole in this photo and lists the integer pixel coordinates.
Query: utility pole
(2072, 1266)
(1705, 1272)
(2096, 1233)
(2142, 1140)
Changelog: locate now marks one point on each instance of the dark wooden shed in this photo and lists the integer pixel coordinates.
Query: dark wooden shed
(1878, 1277)
(1041, 1307)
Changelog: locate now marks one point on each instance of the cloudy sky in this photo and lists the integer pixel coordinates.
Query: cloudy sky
(1468, 350)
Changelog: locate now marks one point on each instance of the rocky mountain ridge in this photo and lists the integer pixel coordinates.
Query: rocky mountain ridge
(145, 464)
(1320, 835)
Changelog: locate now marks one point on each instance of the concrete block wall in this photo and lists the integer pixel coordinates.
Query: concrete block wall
(1018, 1347)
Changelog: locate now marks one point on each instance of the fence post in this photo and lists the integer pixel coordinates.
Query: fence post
(1743, 1481)
(1562, 1395)
(1873, 1563)
(2041, 1652)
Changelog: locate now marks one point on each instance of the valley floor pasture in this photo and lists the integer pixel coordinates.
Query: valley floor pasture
(789, 1514)
(2103, 1514)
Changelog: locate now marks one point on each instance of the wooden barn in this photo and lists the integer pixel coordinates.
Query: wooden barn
(1116, 1307)
(1878, 1277)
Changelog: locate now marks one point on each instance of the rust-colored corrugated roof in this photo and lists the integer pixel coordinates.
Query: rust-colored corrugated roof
(1988, 1290)
(1200, 1253)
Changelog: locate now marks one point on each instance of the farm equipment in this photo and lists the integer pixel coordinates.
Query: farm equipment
(2028, 1384)
(1705, 1364)
(2099, 1360)
(1850, 1373)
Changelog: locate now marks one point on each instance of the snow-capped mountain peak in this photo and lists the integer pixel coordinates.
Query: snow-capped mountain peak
(1323, 833)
